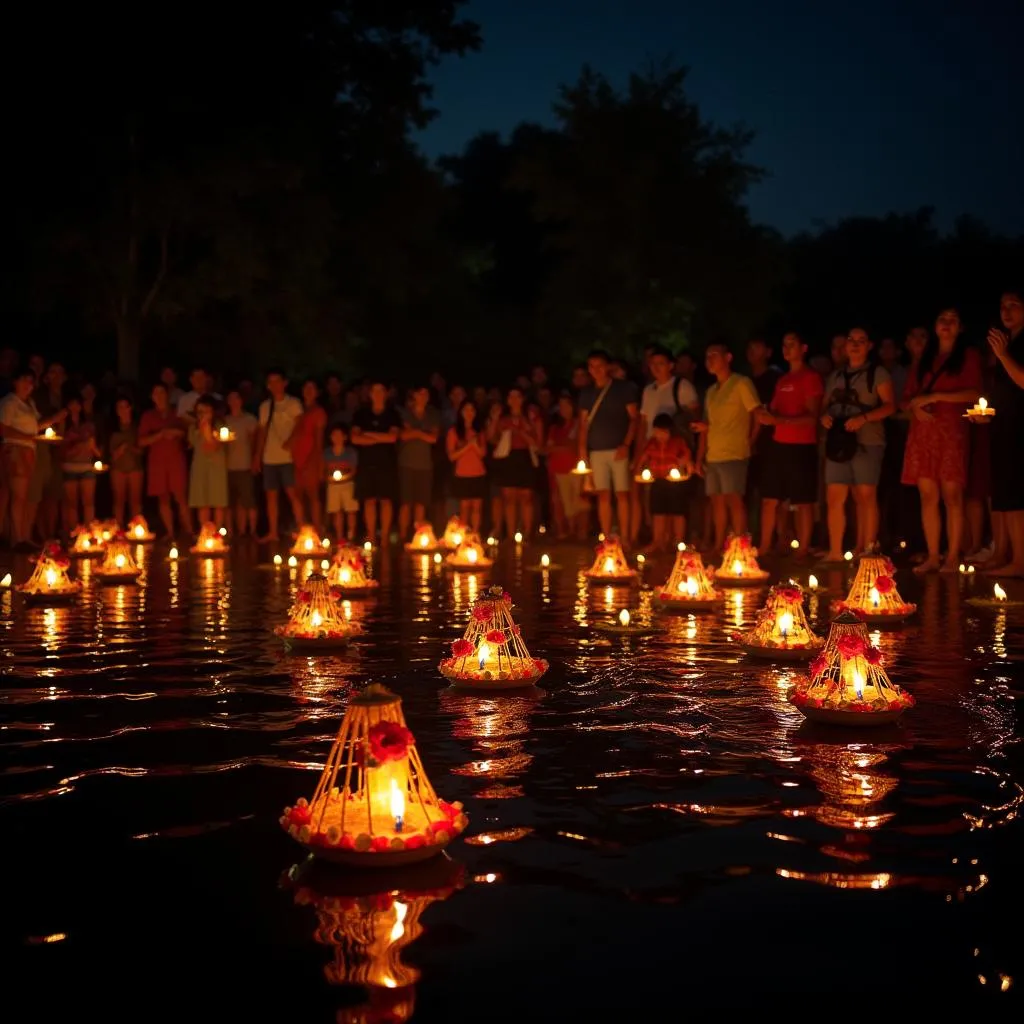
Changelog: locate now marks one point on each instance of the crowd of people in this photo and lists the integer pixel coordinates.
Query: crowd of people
(868, 444)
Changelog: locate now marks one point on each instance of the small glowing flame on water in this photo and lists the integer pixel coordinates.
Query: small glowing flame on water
(48, 432)
(483, 652)
(982, 404)
(346, 576)
(325, 564)
(624, 617)
(119, 561)
(471, 555)
(424, 540)
(368, 546)
(609, 565)
(812, 582)
(691, 586)
(140, 532)
(173, 553)
(848, 556)
(224, 433)
(645, 474)
(545, 561)
(518, 538)
(681, 546)
(51, 578)
(737, 567)
(316, 619)
(876, 598)
(674, 474)
(999, 593)
(278, 560)
(437, 559)
(308, 544)
(292, 562)
(794, 544)
(6, 581)
(786, 623)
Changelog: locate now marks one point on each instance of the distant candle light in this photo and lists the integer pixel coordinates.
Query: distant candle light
(812, 582)
(278, 560)
(545, 561)
(624, 617)
(518, 538)
(848, 556)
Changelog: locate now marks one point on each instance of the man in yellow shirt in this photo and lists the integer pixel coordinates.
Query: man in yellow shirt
(723, 452)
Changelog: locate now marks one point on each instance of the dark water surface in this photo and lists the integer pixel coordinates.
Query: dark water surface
(657, 830)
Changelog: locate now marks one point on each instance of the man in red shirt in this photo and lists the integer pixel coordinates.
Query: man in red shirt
(791, 460)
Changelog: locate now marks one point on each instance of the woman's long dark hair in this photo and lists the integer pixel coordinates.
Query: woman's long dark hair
(460, 423)
(953, 364)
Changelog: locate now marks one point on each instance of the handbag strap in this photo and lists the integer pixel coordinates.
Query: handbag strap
(592, 411)
(270, 419)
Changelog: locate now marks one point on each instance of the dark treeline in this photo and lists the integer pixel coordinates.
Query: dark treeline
(245, 192)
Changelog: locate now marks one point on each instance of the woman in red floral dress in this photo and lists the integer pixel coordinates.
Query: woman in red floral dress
(939, 390)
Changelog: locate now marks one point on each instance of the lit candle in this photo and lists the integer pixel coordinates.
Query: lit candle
(609, 565)
(518, 538)
(545, 561)
(691, 586)
(106, 535)
(223, 531)
(875, 597)
(581, 466)
(324, 564)
(437, 558)
(640, 559)
(785, 624)
(397, 805)
(336, 476)
(119, 561)
(48, 433)
(325, 543)
(737, 567)
(484, 652)
(97, 465)
(308, 543)
(645, 475)
(292, 562)
(903, 545)
(681, 546)
(368, 546)
(6, 581)
(848, 556)
(224, 433)
(812, 582)
(456, 539)
(491, 541)
(86, 543)
(316, 619)
(278, 560)
(471, 556)
(794, 544)
(140, 532)
(674, 474)
(982, 405)
(999, 593)
(209, 543)
(963, 568)
(624, 617)
(51, 578)
(858, 684)
(346, 576)
(970, 568)
(173, 553)
(424, 540)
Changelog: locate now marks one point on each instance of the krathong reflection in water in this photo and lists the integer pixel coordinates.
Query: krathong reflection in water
(851, 779)
(368, 921)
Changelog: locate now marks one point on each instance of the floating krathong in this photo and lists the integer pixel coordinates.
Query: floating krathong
(999, 599)
(210, 543)
(423, 540)
(689, 587)
(627, 625)
(847, 683)
(873, 594)
(138, 531)
(347, 574)
(104, 530)
(454, 531)
(118, 565)
(308, 543)
(739, 564)
(374, 805)
(782, 632)
(87, 541)
(610, 566)
(49, 582)
(491, 654)
(316, 619)
(469, 556)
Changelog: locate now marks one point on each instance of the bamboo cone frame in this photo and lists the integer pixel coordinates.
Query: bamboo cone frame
(209, 542)
(50, 561)
(462, 559)
(739, 562)
(679, 592)
(87, 541)
(308, 543)
(138, 531)
(318, 618)
(454, 532)
(775, 633)
(423, 540)
(873, 592)
(610, 565)
(348, 573)
(128, 569)
(507, 662)
(339, 820)
(847, 680)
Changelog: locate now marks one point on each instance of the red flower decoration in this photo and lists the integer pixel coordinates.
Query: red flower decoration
(63, 562)
(336, 593)
(540, 665)
(414, 842)
(516, 631)
(447, 809)
(506, 597)
(462, 648)
(53, 550)
(299, 816)
(495, 636)
(743, 543)
(885, 584)
(873, 656)
(789, 593)
(389, 741)
(851, 646)
(380, 844)
(303, 597)
(483, 613)
(819, 665)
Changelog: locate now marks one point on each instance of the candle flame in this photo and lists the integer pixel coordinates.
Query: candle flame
(51, 577)
(278, 560)
(786, 623)
(681, 546)
(794, 544)
(368, 546)
(1000, 594)
(346, 576)
(456, 539)
(624, 617)
(545, 561)
(848, 556)
(397, 801)
(471, 555)
(173, 552)
(292, 562)
(223, 531)
(140, 532)
(324, 564)
(609, 565)
(518, 538)
(316, 618)
(6, 581)
(691, 586)
(876, 598)
(982, 404)
(48, 432)
(337, 474)
(119, 561)
(308, 544)
(424, 540)
(963, 567)
(97, 465)
(483, 652)
(437, 558)
(581, 466)
(674, 474)
(645, 474)
(812, 582)
(209, 543)
(737, 567)
(858, 683)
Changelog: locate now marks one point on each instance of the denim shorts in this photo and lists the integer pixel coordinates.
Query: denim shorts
(726, 477)
(609, 472)
(278, 478)
(863, 470)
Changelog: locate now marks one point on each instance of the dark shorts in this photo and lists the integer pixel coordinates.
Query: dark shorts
(469, 488)
(669, 499)
(1007, 483)
(241, 488)
(278, 478)
(376, 483)
(516, 471)
(789, 472)
(415, 486)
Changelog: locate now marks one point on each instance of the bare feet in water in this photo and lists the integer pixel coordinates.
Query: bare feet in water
(929, 565)
(1012, 569)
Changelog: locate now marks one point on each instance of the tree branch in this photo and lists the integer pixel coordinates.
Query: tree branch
(147, 303)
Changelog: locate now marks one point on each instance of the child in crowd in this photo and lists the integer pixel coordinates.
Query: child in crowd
(665, 451)
(340, 457)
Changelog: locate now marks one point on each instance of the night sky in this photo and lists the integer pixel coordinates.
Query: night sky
(859, 108)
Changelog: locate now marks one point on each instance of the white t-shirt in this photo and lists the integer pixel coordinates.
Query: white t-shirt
(20, 416)
(658, 398)
(282, 424)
